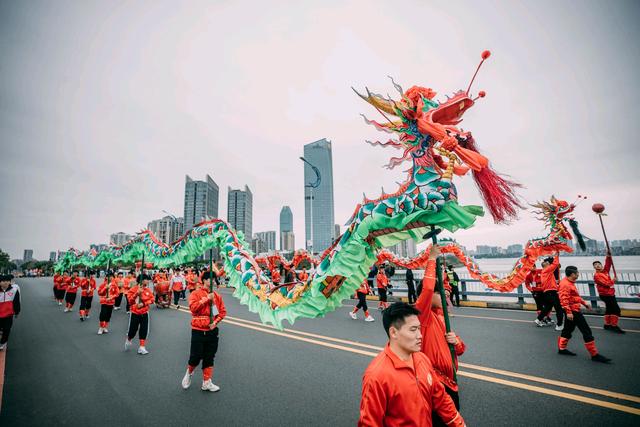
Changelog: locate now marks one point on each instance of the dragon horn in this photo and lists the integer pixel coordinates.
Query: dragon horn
(377, 101)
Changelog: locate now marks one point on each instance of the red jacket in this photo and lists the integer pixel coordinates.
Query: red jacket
(199, 305)
(533, 278)
(547, 276)
(10, 301)
(57, 280)
(604, 282)
(73, 285)
(66, 280)
(88, 286)
(433, 330)
(382, 281)
(364, 288)
(112, 290)
(394, 394)
(145, 298)
(569, 297)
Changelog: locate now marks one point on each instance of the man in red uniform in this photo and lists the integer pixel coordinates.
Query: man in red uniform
(207, 310)
(400, 387)
(382, 282)
(571, 302)
(88, 286)
(607, 291)
(127, 283)
(62, 288)
(57, 280)
(120, 282)
(177, 285)
(362, 293)
(533, 283)
(9, 307)
(303, 276)
(550, 291)
(140, 299)
(435, 339)
(108, 291)
(72, 291)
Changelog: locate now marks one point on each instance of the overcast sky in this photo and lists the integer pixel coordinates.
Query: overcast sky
(105, 106)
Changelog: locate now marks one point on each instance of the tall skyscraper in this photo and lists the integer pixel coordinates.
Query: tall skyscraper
(287, 241)
(269, 239)
(286, 224)
(28, 255)
(405, 249)
(119, 238)
(52, 256)
(240, 211)
(318, 153)
(200, 201)
(167, 229)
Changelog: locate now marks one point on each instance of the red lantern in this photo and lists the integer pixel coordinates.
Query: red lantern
(598, 208)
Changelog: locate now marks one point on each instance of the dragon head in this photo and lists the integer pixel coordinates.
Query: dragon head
(427, 133)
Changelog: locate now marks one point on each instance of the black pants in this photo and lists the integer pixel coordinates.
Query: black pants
(382, 293)
(138, 321)
(70, 298)
(176, 296)
(370, 283)
(59, 294)
(581, 323)
(126, 301)
(204, 345)
(611, 305)
(435, 419)
(362, 301)
(183, 294)
(85, 303)
(118, 301)
(105, 313)
(538, 297)
(551, 300)
(411, 293)
(5, 328)
(455, 292)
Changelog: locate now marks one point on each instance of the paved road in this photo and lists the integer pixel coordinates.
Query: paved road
(60, 372)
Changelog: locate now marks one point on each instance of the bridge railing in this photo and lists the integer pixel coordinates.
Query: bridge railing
(627, 291)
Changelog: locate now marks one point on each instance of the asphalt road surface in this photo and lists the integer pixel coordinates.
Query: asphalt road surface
(60, 372)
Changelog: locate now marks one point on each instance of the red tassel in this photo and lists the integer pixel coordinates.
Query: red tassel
(499, 194)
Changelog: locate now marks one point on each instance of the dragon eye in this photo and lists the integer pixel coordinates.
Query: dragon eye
(461, 105)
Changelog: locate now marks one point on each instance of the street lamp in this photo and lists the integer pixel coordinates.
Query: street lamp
(311, 186)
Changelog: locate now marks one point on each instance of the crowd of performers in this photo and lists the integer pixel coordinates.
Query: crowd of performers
(420, 350)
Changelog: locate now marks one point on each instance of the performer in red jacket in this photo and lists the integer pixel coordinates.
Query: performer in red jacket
(382, 282)
(550, 290)
(108, 291)
(400, 387)
(140, 299)
(72, 291)
(207, 310)
(9, 307)
(607, 291)
(362, 293)
(435, 339)
(533, 283)
(88, 286)
(571, 302)
(57, 281)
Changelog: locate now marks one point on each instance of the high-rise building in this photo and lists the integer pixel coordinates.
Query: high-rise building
(258, 246)
(98, 247)
(61, 254)
(318, 153)
(286, 223)
(515, 249)
(120, 238)
(200, 201)
(240, 211)
(287, 241)
(167, 229)
(405, 249)
(52, 256)
(28, 255)
(269, 239)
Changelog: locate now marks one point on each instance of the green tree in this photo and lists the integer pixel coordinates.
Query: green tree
(6, 265)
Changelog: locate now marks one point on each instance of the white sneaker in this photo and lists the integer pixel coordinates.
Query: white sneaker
(116, 308)
(208, 385)
(539, 323)
(3, 346)
(100, 331)
(59, 303)
(559, 327)
(127, 345)
(142, 350)
(186, 381)
(369, 319)
(105, 330)
(353, 315)
(66, 309)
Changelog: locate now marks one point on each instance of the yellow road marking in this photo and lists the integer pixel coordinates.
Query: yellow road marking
(287, 333)
(562, 394)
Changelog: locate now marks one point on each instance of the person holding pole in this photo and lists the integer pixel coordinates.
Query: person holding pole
(606, 289)
(207, 311)
(435, 337)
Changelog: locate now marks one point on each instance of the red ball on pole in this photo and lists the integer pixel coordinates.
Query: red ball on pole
(598, 208)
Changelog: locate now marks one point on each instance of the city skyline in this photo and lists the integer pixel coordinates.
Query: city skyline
(121, 136)
(319, 202)
(201, 200)
(240, 211)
